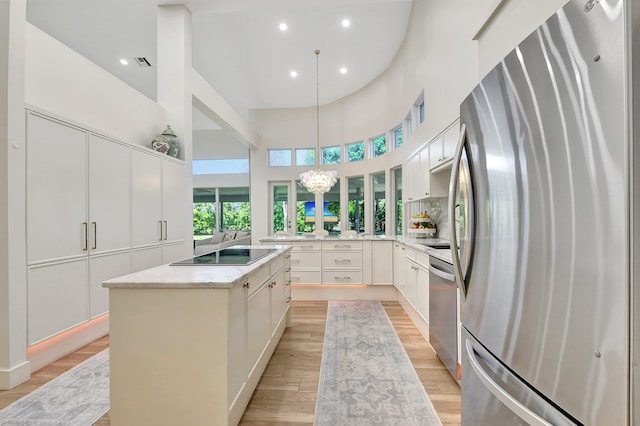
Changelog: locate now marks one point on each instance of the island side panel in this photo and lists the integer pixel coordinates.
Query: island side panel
(169, 356)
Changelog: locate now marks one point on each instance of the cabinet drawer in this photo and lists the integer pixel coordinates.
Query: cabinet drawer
(306, 277)
(305, 260)
(257, 277)
(422, 259)
(346, 260)
(342, 277)
(276, 264)
(306, 246)
(342, 245)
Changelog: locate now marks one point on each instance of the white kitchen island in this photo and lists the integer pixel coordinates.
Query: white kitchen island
(189, 344)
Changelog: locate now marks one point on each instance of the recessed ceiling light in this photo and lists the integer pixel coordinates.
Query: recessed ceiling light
(124, 62)
(283, 26)
(293, 73)
(343, 70)
(346, 23)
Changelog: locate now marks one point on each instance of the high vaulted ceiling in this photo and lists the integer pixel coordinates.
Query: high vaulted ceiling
(237, 44)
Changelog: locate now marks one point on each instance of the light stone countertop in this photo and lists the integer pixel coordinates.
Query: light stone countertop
(276, 238)
(196, 276)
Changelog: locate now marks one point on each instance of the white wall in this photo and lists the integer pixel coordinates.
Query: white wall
(14, 368)
(62, 82)
(438, 56)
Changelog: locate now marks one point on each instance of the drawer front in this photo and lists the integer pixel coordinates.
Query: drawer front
(306, 277)
(342, 277)
(306, 246)
(305, 260)
(257, 277)
(346, 260)
(276, 264)
(422, 259)
(342, 245)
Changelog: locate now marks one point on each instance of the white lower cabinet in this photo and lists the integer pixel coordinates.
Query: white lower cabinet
(399, 270)
(258, 323)
(382, 262)
(57, 297)
(102, 268)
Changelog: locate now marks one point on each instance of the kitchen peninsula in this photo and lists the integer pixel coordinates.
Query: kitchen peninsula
(189, 343)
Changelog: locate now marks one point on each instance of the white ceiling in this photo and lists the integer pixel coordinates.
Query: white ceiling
(237, 45)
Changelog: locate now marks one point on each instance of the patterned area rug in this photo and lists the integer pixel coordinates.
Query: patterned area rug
(78, 397)
(366, 377)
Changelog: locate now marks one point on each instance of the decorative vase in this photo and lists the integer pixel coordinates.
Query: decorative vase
(160, 144)
(171, 137)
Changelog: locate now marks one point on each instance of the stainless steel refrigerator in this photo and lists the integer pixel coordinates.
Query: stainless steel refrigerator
(545, 230)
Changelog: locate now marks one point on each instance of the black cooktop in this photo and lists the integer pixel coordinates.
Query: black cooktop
(228, 256)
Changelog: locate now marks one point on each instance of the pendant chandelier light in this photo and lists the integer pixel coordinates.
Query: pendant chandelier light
(318, 181)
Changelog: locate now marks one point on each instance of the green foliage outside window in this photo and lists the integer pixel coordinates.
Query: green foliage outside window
(236, 215)
(204, 219)
(331, 155)
(379, 145)
(355, 151)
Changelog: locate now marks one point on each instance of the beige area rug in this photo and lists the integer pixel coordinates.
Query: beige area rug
(366, 377)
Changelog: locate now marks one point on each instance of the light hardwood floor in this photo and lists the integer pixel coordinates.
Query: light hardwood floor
(286, 394)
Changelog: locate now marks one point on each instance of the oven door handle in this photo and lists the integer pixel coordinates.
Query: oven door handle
(442, 274)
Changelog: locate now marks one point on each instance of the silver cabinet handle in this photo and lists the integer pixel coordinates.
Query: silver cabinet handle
(85, 227)
(342, 260)
(288, 299)
(502, 395)
(342, 246)
(341, 278)
(160, 223)
(166, 229)
(95, 235)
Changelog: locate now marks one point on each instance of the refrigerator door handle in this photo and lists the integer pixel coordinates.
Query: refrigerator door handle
(513, 404)
(453, 185)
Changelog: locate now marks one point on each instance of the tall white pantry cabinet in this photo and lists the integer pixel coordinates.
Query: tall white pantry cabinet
(82, 210)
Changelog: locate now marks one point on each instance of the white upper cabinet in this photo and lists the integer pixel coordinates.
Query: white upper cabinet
(57, 224)
(109, 195)
(173, 201)
(443, 148)
(146, 212)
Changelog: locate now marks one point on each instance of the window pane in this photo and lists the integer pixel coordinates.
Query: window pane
(280, 207)
(379, 145)
(398, 198)
(379, 203)
(355, 151)
(355, 185)
(421, 108)
(221, 167)
(279, 157)
(397, 137)
(236, 208)
(331, 155)
(305, 157)
(332, 210)
(204, 212)
(303, 224)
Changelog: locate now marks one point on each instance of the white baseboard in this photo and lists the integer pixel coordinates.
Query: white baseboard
(9, 379)
(416, 318)
(44, 353)
(343, 292)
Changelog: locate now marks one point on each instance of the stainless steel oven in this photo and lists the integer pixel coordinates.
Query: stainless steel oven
(443, 318)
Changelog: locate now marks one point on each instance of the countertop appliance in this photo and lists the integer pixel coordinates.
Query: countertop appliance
(443, 318)
(227, 256)
(545, 226)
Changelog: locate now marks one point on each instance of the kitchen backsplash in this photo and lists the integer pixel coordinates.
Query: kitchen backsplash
(437, 210)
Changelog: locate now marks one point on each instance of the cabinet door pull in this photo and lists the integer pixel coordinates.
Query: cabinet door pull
(342, 246)
(85, 227)
(95, 235)
(342, 278)
(342, 260)
(288, 299)
(166, 229)
(246, 285)
(160, 223)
